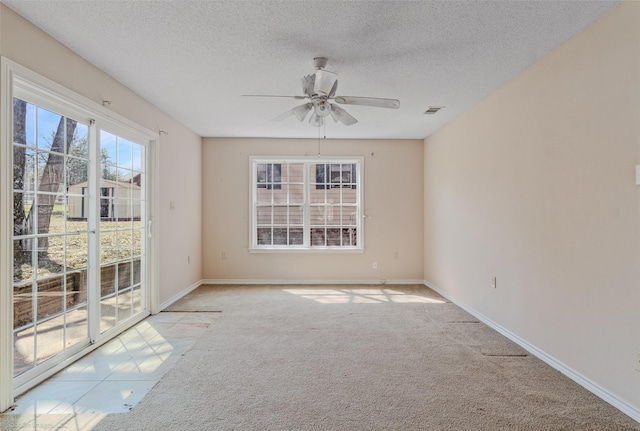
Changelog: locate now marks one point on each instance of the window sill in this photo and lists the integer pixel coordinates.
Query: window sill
(307, 250)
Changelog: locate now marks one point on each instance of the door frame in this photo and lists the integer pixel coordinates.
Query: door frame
(12, 74)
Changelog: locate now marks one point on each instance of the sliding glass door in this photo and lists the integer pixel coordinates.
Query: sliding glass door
(80, 253)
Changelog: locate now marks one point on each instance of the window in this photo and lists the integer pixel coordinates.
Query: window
(306, 204)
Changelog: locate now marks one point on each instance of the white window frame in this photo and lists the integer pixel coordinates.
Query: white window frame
(305, 247)
(16, 81)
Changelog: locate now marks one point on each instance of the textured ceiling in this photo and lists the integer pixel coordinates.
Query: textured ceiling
(194, 59)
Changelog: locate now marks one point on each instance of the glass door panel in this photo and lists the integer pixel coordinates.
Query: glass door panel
(122, 227)
(50, 249)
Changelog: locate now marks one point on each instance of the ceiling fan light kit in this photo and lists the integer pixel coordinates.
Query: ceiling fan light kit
(324, 81)
(320, 88)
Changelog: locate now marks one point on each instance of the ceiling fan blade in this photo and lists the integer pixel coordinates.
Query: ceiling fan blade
(284, 115)
(333, 89)
(368, 101)
(270, 95)
(315, 120)
(299, 111)
(339, 114)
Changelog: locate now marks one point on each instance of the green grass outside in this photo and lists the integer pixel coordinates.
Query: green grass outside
(119, 240)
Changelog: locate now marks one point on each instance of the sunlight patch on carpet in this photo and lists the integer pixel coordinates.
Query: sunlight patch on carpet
(361, 296)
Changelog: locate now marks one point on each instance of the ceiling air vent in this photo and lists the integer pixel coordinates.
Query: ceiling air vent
(432, 110)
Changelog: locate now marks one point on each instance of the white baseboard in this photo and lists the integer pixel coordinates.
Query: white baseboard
(626, 408)
(173, 299)
(308, 282)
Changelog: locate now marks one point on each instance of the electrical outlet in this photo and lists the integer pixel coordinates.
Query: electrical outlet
(375, 265)
(493, 282)
(188, 259)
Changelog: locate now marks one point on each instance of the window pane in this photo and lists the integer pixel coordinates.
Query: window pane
(107, 280)
(76, 175)
(296, 236)
(125, 153)
(22, 304)
(79, 145)
(50, 255)
(137, 242)
(107, 148)
(320, 172)
(47, 126)
(280, 236)
(137, 274)
(124, 275)
(264, 215)
(138, 158)
(261, 175)
(77, 328)
(280, 215)
(125, 243)
(50, 169)
(76, 288)
(51, 213)
(349, 196)
(122, 209)
(22, 222)
(49, 338)
(264, 196)
(318, 237)
(23, 168)
(50, 297)
(296, 215)
(349, 216)
(125, 305)
(349, 237)
(333, 236)
(23, 266)
(296, 193)
(24, 120)
(320, 214)
(280, 194)
(264, 236)
(107, 313)
(108, 172)
(137, 299)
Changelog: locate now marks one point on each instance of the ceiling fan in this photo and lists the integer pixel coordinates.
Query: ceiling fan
(319, 89)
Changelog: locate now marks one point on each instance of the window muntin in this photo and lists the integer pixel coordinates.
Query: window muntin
(306, 204)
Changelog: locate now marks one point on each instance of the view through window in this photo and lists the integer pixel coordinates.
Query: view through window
(306, 204)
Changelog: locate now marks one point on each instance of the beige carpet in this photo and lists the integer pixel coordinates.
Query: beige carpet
(356, 358)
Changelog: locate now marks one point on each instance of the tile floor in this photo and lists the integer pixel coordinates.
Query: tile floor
(116, 376)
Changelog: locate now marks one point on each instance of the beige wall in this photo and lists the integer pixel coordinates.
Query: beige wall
(180, 149)
(393, 200)
(536, 185)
